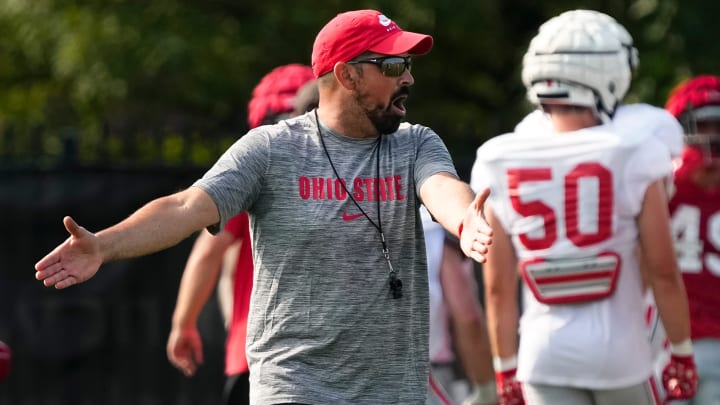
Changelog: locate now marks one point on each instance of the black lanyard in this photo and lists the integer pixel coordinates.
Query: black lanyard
(394, 282)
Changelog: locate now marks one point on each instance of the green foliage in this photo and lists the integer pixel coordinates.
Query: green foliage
(116, 69)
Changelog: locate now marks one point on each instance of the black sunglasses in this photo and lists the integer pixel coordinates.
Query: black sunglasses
(391, 66)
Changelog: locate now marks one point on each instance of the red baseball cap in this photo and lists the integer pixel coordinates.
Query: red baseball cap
(353, 33)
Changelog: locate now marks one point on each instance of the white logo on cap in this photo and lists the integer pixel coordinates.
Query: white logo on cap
(384, 21)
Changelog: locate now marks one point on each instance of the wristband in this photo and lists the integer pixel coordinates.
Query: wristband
(683, 348)
(460, 229)
(504, 364)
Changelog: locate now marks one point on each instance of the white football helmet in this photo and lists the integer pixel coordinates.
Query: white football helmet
(581, 51)
(596, 17)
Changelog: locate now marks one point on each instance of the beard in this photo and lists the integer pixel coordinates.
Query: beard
(383, 118)
(385, 122)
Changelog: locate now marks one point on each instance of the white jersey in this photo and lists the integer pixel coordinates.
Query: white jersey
(647, 119)
(440, 340)
(569, 203)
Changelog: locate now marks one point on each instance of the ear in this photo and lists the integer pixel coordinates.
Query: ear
(346, 75)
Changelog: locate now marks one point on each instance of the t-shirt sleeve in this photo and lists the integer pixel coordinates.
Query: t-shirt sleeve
(235, 180)
(432, 157)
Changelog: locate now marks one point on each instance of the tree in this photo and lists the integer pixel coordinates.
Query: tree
(117, 68)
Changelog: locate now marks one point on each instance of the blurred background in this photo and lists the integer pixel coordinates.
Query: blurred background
(106, 104)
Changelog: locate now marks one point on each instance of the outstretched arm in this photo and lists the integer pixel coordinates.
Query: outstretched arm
(452, 203)
(156, 226)
(184, 346)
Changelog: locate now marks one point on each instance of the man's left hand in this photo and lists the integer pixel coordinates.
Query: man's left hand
(475, 233)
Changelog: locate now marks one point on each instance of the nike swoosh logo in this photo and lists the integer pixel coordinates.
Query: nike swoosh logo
(347, 217)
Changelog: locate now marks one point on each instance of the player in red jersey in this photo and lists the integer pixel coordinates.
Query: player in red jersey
(695, 211)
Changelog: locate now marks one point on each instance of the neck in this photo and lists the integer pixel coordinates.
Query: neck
(347, 123)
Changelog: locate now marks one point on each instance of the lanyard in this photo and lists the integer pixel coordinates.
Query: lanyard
(394, 282)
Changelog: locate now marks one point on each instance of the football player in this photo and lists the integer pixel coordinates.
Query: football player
(695, 213)
(576, 192)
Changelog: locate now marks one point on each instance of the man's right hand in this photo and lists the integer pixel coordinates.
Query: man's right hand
(74, 261)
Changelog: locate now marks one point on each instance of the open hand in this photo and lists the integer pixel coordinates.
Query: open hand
(74, 261)
(476, 234)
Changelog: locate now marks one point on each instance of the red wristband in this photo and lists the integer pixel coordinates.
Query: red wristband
(460, 229)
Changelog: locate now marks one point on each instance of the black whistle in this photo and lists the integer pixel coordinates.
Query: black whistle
(395, 286)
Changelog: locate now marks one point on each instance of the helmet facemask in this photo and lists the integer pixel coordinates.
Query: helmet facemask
(702, 132)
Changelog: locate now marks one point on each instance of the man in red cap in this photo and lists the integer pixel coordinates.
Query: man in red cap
(339, 308)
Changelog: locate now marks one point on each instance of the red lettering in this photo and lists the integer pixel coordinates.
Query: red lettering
(304, 187)
(358, 190)
(318, 188)
(364, 189)
(329, 183)
(533, 208)
(604, 204)
(380, 186)
(389, 189)
(398, 188)
(340, 187)
(370, 186)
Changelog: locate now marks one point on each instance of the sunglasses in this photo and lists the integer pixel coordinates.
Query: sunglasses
(391, 66)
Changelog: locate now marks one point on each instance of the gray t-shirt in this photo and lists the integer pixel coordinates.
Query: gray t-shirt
(323, 326)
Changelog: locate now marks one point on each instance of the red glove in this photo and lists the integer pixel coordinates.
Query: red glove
(680, 377)
(509, 389)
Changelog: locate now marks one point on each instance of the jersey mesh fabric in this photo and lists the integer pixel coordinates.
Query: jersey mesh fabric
(695, 216)
(645, 118)
(235, 358)
(579, 344)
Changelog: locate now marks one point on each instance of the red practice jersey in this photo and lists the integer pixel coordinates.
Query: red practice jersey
(696, 231)
(235, 358)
